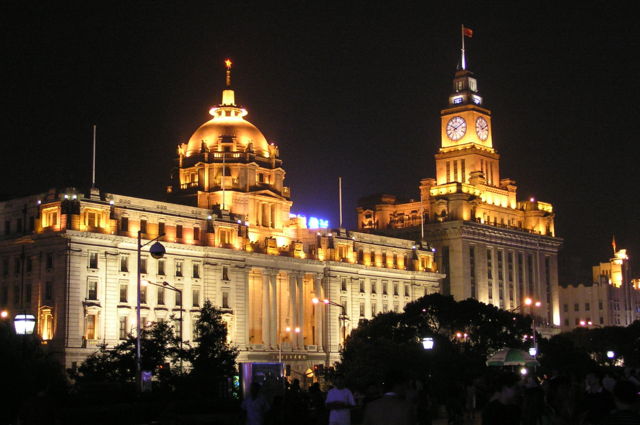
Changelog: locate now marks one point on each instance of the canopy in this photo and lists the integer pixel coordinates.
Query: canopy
(511, 357)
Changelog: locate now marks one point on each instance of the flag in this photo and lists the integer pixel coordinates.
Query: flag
(468, 32)
(613, 244)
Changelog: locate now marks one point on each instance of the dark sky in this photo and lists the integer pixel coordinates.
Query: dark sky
(350, 89)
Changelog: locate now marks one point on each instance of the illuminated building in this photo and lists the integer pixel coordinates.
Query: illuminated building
(491, 246)
(229, 237)
(612, 298)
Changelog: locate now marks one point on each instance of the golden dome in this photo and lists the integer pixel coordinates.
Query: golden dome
(228, 126)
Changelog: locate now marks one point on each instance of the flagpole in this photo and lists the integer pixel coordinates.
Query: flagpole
(464, 62)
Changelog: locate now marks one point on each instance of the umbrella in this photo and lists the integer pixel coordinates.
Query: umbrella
(511, 357)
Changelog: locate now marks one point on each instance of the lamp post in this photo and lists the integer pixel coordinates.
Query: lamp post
(343, 315)
(531, 303)
(157, 251)
(24, 323)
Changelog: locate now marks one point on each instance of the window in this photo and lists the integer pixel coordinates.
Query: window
(160, 295)
(19, 225)
(178, 268)
(196, 270)
(177, 325)
(384, 287)
(225, 299)
(92, 289)
(124, 224)
(566, 308)
(143, 226)
(374, 308)
(225, 273)
(178, 299)
(343, 284)
(489, 265)
(5, 295)
(161, 228)
(361, 308)
(16, 295)
(407, 291)
(577, 321)
(161, 267)
(124, 263)
(18, 265)
(48, 291)
(122, 333)
(93, 260)
(5, 267)
(143, 265)
(566, 322)
(195, 297)
(29, 264)
(124, 291)
(600, 306)
(27, 293)
(601, 320)
(7, 227)
(587, 307)
(143, 294)
(576, 307)
(179, 231)
(395, 288)
(196, 233)
(361, 285)
(90, 326)
(374, 286)
(91, 219)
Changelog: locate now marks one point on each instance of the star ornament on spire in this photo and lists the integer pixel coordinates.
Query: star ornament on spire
(228, 63)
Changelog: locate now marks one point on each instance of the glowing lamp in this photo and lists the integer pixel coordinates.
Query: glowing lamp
(427, 343)
(4, 314)
(533, 351)
(523, 371)
(24, 324)
(315, 300)
(228, 63)
(611, 354)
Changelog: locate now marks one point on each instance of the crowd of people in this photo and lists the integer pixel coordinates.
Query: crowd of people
(499, 398)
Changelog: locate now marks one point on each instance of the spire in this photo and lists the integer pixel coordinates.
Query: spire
(465, 86)
(228, 64)
(228, 96)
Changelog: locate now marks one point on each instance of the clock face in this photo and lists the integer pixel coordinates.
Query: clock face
(456, 127)
(482, 128)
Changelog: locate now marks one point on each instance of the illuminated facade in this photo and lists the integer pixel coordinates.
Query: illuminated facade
(71, 259)
(490, 245)
(612, 298)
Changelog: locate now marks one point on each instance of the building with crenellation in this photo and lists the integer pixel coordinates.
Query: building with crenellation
(490, 245)
(611, 298)
(70, 258)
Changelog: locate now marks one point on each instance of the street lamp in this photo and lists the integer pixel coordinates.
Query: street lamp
(611, 354)
(428, 343)
(343, 316)
(531, 303)
(157, 251)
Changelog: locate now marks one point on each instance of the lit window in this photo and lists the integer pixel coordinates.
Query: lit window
(143, 226)
(179, 299)
(90, 326)
(179, 231)
(124, 224)
(196, 270)
(178, 268)
(225, 299)
(124, 263)
(143, 265)
(161, 228)
(143, 295)
(195, 297)
(225, 273)
(196, 233)
(161, 267)
(160, 296)
(124, 291)
(122, 333)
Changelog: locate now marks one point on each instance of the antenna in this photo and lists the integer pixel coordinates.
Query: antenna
(340, 198)
(93, 167)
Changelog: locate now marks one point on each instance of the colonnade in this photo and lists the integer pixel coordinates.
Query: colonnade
(280, 302)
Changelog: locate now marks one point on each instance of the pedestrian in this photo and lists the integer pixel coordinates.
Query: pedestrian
(255, 406)
(340, 401)
(392, 407)
(626, 400)
(502, 408)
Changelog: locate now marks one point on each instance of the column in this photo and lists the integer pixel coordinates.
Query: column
(292, 308)
(301, 307)
(319, 310)
(273, 321)
(242, 308)
(266, 316)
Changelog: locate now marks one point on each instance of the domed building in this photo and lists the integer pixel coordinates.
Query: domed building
(229, 238)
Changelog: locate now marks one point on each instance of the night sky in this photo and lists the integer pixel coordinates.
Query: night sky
(351, 89)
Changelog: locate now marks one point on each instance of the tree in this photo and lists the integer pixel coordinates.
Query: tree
(212, 358)
(158, 346)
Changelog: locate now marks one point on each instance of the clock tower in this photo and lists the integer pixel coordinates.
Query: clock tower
(466, 141)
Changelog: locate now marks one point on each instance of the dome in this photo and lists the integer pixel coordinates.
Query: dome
(228, 125)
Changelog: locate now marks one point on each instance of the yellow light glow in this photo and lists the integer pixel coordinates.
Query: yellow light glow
(228, 63)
